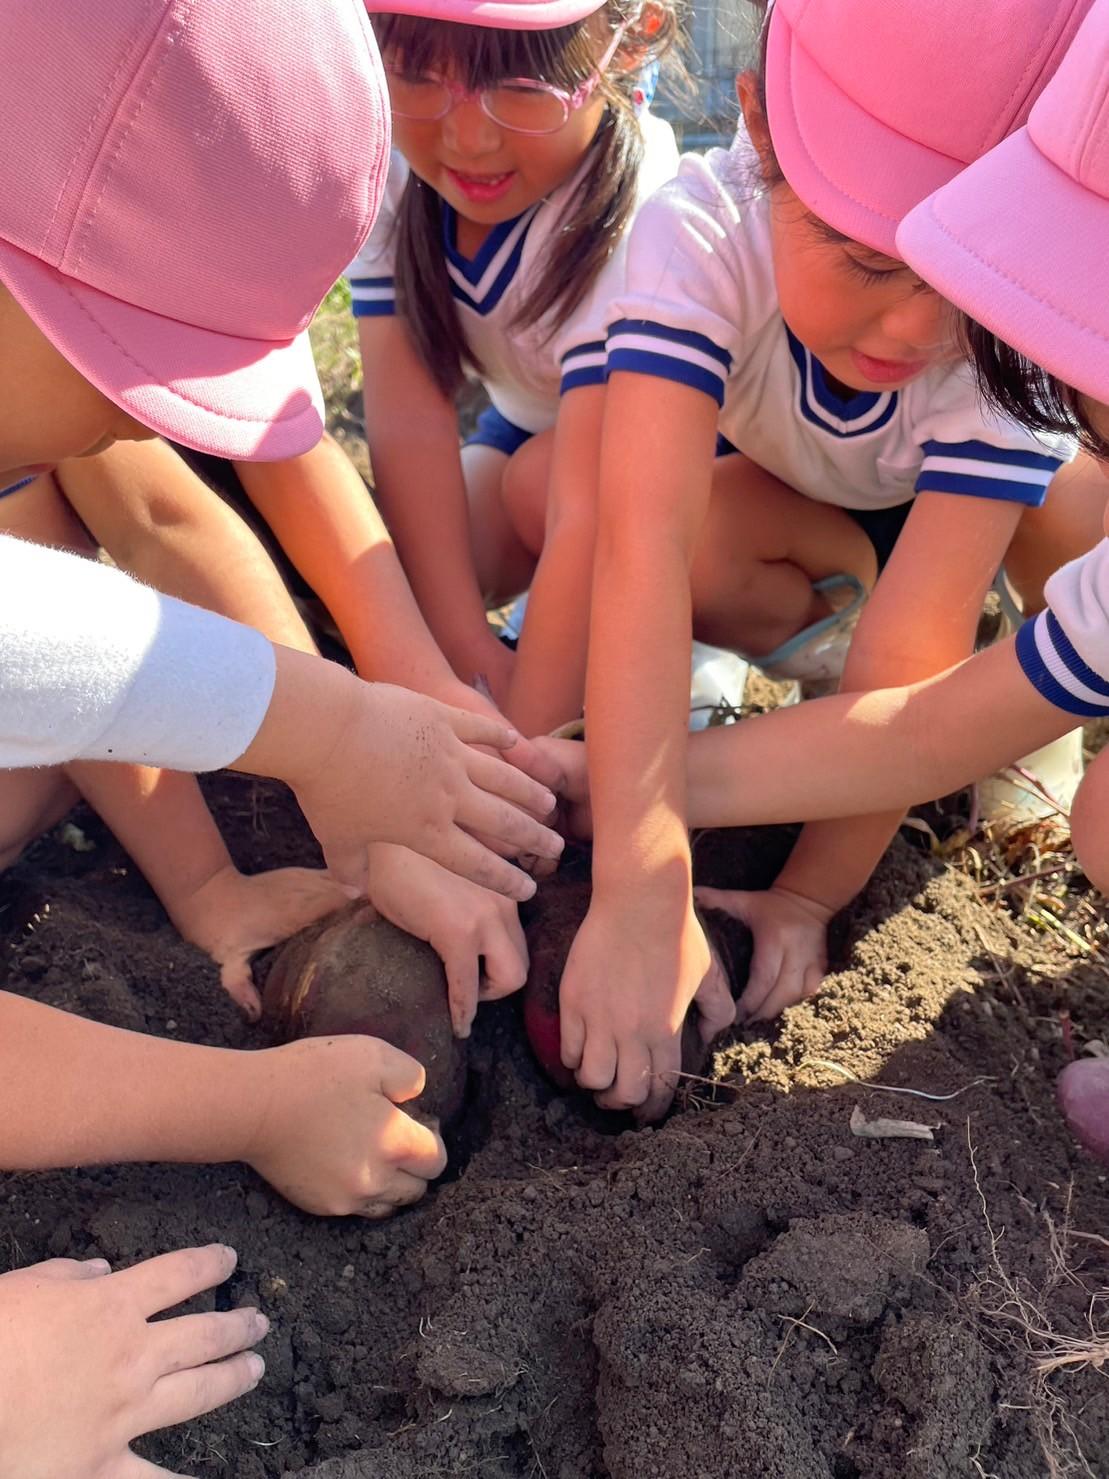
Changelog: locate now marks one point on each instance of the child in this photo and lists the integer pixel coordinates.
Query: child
(786, 320)
(523, 147)
(130, 231)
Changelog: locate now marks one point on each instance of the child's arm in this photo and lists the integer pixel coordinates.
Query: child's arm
(317, 1118)
(159, 521)
(412, 430)
(548, 678)
(162, 820)
(641, 957)
(920, 620)
(326, 522)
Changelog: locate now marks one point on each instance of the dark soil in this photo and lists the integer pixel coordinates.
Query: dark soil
(748, 1291)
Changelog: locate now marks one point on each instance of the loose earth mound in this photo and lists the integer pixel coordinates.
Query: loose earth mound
(749, 1292)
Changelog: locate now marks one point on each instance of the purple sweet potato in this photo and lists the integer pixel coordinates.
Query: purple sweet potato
(355, 972)
(1084, 1098)
(555, 916)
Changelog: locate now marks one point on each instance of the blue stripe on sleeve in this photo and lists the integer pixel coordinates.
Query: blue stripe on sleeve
(931, 480)
(984, 452)
(643, 362)
(1044, 681)
(688, 337)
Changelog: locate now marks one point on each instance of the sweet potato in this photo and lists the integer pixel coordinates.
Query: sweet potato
(555, 915)
(355, 972)
(1084, 1098)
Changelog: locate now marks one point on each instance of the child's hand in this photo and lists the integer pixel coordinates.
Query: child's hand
(329, 1135)
(233, 915)
(467, 926)
(631, 975)
(568, 757)
(407, 769)
(790, 946)
(85, 1369)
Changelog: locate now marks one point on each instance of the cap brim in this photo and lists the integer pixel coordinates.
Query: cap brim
(849, 169)
(242, 398)
(506, 14)
(1021, 247)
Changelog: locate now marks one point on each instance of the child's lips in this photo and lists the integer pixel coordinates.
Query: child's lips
(482, 188)
(888, 371)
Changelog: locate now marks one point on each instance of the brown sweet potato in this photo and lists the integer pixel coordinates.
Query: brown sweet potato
(355, 972)
(555, 916)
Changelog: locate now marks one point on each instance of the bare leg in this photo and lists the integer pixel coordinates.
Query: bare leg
(503, 560)
(761, 549)
(1068, 524)
(31, 802)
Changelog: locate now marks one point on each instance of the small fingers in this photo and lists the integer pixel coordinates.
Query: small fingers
(632, 1084)
(471, 859)
(597, 1070)
(665, 1068)
(416, 1151)
(171, 1278)
(461, 966)
(497, 778)
(505, 953)
(348, 864)
(237, 980)
(59, 1270)
(726, 900)
(508, 829)
(187, 1394)
(714, 1002)
(402, 1191)
(195, 1340)
(479, 729)
(766, 968)
(572, 1029)
(401, 1076)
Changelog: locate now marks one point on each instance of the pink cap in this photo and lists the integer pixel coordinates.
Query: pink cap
(873, 104)
(512, 15)
(181, 182)
(1020, 240)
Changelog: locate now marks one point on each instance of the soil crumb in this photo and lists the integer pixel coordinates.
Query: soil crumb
(746, 1292)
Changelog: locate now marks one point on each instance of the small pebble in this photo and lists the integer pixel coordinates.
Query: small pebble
(348, 1271)
(842, 1153)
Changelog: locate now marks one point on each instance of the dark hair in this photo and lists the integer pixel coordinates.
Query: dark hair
(1028, 394)
(481, 56)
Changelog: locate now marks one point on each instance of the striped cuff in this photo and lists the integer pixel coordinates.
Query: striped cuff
(585, 364)
(1014, 475)
(1056, 671)
(648, 348)
(373, 297)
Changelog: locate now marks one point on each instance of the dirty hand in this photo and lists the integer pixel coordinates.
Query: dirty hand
(85, 1368)
(631, 975)
(330, 1137)
(233, 915)
(790, 946)
(405, 769)
(572, 785)
(475, 933)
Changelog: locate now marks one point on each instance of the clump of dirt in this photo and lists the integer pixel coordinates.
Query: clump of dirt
(747, 1292)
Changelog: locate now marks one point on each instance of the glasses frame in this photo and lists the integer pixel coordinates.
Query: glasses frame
(570, 101)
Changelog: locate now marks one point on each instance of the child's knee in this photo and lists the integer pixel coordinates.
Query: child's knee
(1090, 823)
(31, 801)
(525, 485)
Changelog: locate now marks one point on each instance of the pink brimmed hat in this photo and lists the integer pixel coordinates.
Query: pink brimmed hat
(514, 15)
(181, 182)
(874, 104)
(1020, 240)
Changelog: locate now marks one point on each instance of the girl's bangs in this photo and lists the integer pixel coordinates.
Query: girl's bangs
(480, 56)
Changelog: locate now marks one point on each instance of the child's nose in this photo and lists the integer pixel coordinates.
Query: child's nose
(921, 319)
(468, 130)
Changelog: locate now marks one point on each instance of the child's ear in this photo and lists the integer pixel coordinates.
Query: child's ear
(758, 130)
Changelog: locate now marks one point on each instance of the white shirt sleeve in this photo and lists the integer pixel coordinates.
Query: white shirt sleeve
(683, 313)
(969, 449)
(95, 666)
(1064, 651)
(371, 274)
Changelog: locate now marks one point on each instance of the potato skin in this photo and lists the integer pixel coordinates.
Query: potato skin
(555, 917)
(354, 972)
(1084, 1098)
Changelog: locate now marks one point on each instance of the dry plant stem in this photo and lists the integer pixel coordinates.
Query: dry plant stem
(1024, 1323)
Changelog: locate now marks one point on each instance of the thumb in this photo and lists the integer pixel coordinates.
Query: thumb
(401, 1077)
(714, 1003)
(728, 900)
(237, 980)
(349, 866)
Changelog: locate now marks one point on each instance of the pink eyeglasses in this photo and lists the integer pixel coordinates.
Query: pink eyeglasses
(522, 104)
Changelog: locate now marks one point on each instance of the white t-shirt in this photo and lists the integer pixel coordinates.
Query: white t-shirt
(524, 368)
(95, 666)
(700, 307)
(1065, 650)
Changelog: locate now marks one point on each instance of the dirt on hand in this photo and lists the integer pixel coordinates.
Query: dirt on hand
(747, 1292)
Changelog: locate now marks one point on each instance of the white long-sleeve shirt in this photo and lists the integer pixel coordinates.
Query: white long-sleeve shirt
(95, 666)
